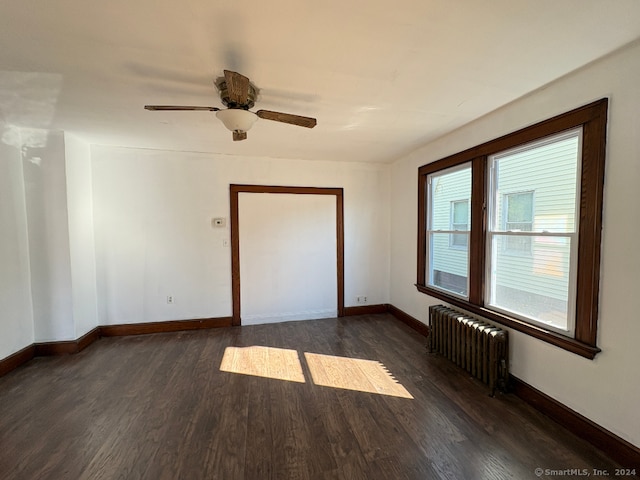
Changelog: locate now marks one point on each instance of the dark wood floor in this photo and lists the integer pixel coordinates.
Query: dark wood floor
(159, 407)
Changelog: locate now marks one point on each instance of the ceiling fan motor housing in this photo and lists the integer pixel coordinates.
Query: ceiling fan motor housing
(252, 95)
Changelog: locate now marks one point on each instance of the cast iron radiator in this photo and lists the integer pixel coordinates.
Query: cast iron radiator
(480, 348)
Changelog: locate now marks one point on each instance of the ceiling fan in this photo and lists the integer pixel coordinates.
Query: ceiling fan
(238, 94)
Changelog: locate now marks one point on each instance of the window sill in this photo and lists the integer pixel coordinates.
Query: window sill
(566, 343)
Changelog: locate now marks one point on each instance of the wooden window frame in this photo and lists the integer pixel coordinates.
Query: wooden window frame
(593, 120)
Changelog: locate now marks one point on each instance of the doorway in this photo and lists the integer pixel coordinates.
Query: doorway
(278, 234)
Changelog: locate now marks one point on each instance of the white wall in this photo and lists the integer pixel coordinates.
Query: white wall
(81, 238)
(43, 163)
(606, 389)
(287, 257)
(152, 215)
(16, 313)
(47, 253)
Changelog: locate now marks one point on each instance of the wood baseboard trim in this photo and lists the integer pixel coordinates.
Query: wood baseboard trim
(16, 359)
(49, 349)
(163, 327)
(67, 347)
(413, 322)
(617, 448)
(88, 338)
(366, 309)
(404, 317)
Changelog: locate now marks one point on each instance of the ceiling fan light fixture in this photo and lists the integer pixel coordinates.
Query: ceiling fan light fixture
(239, 95)
(237, 119)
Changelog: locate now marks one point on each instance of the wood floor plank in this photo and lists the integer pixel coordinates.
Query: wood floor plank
(162, 406)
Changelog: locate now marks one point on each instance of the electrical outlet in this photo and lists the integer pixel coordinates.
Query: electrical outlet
(170, 299)
(361, 299)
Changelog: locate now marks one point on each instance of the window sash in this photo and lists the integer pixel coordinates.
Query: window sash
(460, 268)
(527, 275)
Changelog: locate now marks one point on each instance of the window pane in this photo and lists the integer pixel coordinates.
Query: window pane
(536, 286)
(520, 210)
(459, 239)
(461, 212)
(448, 212)
(449, 267)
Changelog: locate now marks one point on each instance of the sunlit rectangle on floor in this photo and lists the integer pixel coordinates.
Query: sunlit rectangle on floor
(268, 362)
(354, 374)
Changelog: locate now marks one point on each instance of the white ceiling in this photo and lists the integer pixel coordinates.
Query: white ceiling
(381, 77)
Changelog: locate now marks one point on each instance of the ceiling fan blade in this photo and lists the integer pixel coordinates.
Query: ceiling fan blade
(237, 86)
(179, 107)
(287, 118)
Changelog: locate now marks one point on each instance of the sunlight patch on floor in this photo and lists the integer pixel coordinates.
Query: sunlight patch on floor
(268, 362)
(354, 374)
(332, 371)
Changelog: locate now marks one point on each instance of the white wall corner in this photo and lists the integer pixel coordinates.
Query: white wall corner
(81, 234)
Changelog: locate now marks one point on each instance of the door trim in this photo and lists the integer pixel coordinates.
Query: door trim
(235, 189)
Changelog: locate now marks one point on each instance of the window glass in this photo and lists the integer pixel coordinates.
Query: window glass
(448, 268)
(532, 237)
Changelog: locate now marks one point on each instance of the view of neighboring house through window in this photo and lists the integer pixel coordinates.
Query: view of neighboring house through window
(448, 263)
(532, 244)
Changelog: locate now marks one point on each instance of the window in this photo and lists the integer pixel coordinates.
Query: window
(518, 217)
(530, 207)
(459, 222)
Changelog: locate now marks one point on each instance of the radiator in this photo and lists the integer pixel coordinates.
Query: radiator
(473, 344)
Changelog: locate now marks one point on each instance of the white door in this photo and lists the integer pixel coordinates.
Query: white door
(288, 265)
